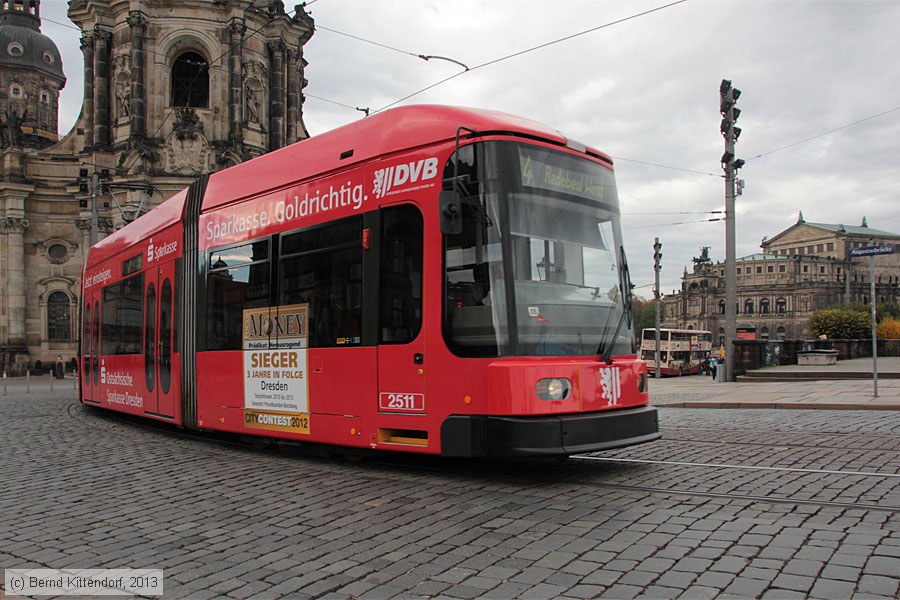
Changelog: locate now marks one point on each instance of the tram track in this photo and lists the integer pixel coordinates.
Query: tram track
(781, 445)
(730, 466)
(820, 440)
(523, 472)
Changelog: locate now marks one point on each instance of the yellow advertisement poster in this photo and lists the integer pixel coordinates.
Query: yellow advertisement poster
(275, 341)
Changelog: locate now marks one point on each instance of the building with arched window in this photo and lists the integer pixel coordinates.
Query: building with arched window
(172, 90)
(801, 270)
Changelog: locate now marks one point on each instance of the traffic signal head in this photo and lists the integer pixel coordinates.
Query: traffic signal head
(83, 181)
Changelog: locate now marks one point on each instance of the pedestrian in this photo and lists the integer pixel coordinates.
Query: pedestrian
(712, 367)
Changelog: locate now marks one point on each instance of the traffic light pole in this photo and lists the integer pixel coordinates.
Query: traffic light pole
(730, 276)
(728, 97)
(657, 257)
(95, 216)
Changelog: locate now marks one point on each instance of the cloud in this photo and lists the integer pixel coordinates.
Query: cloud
(644, 89)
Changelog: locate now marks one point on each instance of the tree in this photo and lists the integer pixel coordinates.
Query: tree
(644, 312)
(841, 323)
(888, 329)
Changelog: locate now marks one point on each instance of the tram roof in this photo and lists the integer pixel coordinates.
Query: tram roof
(382, 134)
(163, 216)
(394, 130)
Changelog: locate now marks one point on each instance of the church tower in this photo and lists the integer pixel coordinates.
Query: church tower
(173, 89)
(31, 77)
(187, 87)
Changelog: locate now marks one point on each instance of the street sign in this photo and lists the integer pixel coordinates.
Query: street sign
(872, 250)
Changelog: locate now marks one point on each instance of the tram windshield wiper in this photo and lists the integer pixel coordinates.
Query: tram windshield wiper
(607, 345)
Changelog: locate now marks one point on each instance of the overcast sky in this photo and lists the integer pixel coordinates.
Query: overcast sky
(644, 90)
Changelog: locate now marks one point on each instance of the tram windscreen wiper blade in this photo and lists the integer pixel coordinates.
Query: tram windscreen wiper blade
(608, 344)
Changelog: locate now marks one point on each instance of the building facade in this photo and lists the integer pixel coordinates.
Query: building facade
(805, 268)
(172, 90)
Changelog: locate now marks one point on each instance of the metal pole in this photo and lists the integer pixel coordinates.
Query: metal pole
(730, 276)
(95, 217)
(658, 372)
(874, 338)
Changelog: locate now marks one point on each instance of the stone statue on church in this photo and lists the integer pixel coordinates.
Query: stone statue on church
(12, 128)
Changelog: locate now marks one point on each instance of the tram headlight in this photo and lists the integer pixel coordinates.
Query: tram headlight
(553, 389)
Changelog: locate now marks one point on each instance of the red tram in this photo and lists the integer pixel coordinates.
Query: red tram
(428, 279)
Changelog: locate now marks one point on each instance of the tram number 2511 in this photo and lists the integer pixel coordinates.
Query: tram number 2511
(401, 402)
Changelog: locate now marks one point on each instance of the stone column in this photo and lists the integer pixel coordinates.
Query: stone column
(87, 48)
(236, 31)
(294, 99)
(14, 228)
(102, 110)
(138, 102)
(84, 226)
(276, 94)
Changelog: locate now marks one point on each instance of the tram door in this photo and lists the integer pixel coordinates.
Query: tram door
(401, 352)
(90, 342)
(159, 305)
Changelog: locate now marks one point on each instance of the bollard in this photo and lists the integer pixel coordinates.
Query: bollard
(27, 381)
(51, 382)
(74, 380)
(4, 383)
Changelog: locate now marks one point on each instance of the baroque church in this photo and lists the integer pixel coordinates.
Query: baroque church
(173, 89)
(805, 268)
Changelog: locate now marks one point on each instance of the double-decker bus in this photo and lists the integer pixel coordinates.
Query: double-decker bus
(681, 351)
(429, 279)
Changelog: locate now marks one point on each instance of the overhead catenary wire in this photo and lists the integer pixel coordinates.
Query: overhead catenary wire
(678, 223)
(830, 131)
(531, 49)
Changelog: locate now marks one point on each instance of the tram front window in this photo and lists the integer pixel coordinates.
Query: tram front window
(535, 270)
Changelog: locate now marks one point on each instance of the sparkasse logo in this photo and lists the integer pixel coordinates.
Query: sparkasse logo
(394, 179)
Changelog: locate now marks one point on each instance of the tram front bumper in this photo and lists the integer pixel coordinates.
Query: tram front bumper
(555, 435)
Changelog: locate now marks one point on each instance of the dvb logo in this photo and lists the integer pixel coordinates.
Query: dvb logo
(391, 178)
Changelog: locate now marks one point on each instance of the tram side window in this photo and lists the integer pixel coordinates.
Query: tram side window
(322, 267)
(401, 274)
(239, 278)
(123, 317)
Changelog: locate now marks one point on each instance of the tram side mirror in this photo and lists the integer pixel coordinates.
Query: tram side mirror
(450, 207)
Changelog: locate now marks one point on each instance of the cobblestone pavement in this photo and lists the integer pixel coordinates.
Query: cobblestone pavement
(786, 504)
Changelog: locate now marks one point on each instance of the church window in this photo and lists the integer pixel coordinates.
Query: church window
(58, 252)
(190, 81)
(59, 317)
(15, 49)
(48, 57)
